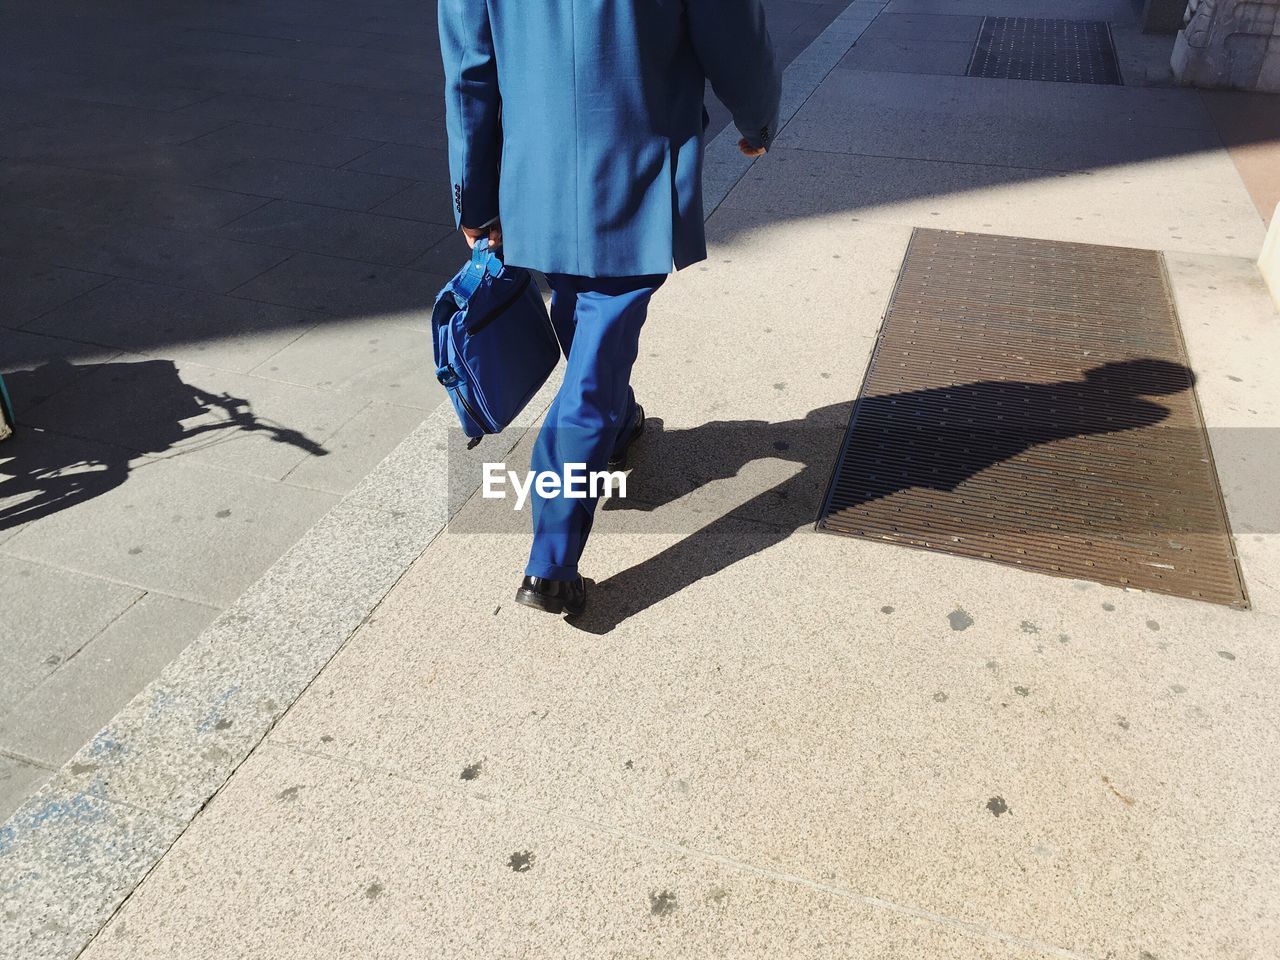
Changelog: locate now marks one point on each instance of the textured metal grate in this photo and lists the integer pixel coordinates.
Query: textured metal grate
(1026, 48)
(1029, 402)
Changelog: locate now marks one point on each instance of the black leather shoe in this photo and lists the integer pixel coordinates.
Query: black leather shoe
(553, 596)
(618, 459)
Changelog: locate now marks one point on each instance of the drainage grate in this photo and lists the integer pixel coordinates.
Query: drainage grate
(1026, 48)
(1029, 402)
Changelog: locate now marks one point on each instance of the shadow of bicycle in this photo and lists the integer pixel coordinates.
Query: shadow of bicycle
(43, 471)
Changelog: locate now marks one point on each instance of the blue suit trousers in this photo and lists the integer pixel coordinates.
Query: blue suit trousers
(598, 321)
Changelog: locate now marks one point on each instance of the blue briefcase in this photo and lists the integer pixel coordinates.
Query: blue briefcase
(494, 343)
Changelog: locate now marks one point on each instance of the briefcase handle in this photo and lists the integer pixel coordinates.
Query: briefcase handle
(485, 261)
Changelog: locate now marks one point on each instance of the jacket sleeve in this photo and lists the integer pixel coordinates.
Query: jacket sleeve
(472, 109)
(733, 45)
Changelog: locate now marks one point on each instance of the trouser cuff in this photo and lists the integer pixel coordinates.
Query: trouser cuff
(551, 571)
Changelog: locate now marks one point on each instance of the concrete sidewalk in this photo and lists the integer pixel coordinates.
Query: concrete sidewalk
(221, 229)
(761, 740)
(215, 235)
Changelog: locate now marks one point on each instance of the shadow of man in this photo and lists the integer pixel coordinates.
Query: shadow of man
(44, 471)
(935, 438)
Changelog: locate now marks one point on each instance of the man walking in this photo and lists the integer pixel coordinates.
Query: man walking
(575, 141)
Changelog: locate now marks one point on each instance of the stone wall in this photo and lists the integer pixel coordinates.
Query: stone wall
(1231, 44)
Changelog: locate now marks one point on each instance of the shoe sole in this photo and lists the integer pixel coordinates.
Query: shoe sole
(546, 604)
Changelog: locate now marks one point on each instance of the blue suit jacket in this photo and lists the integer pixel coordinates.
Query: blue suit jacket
(580, 122)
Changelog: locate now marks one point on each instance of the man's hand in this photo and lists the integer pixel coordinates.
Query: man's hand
(749, 151)
(493, 231)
